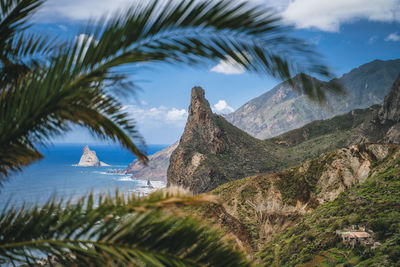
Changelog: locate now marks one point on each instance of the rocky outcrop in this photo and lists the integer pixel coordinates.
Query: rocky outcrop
(212, 152)
(89, 159)
(267, 204)
(281, 109)
(156, 169)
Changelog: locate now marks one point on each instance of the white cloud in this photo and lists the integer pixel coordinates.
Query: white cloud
(222, 107)
(228, 67)
(157, 115)
(80, 9)
(328, 15)
(158, 125)
(393, 37)
(176, 115)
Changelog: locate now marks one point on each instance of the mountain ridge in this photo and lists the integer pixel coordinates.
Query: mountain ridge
(281, 109)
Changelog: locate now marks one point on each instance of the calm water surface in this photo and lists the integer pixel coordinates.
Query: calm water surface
(56, 175)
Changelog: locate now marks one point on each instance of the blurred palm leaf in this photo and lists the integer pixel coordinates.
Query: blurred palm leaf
(114, 231)
(19, 51)
(77, 85)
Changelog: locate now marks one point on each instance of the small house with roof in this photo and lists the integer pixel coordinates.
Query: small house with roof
(356, 236)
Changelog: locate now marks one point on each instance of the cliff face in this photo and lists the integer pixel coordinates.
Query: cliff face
(268, 204)
(373, 204)
(281, 110)
(156, 170)
(211, 151)
(89, 159)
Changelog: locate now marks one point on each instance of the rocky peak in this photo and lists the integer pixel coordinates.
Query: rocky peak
(390, 110)
(89, 159)
(199, 109)
(209, 142)
(201, 126)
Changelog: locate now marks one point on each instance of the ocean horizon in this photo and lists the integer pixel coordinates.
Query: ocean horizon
(58, 176)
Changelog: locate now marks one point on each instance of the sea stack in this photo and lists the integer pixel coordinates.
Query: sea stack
(89, 159)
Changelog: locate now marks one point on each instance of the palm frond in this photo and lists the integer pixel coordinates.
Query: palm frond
(76, 84)
(114, 230)
(19, 51)
(194, 32)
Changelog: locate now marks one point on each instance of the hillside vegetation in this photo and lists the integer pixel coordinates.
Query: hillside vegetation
(290, 217)
(374, 204)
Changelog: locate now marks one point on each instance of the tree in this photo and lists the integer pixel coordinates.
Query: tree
(47, 86)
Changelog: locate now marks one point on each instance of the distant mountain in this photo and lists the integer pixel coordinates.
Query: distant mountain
(212, 152)
(156, 170)
(300, 216)
(281, 109)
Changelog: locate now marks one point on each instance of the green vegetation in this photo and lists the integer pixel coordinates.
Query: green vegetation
(374, 204)
(46, 86)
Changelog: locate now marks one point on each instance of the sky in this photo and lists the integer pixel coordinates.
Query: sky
(347, 34)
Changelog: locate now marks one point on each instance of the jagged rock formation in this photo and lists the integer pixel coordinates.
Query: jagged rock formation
(211, 151)
(89, 159)
(364, 85)
(156, 170)
(281, 109)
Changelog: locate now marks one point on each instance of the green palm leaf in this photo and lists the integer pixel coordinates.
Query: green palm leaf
(114, 230)
(77, 85)
(19, 50)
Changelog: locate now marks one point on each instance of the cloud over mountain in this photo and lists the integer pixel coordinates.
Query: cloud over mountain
(222, 107)
(327, 15)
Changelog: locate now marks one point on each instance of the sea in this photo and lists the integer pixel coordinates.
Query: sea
(57, 176)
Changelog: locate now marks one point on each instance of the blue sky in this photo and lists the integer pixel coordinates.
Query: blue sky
(347, 33)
